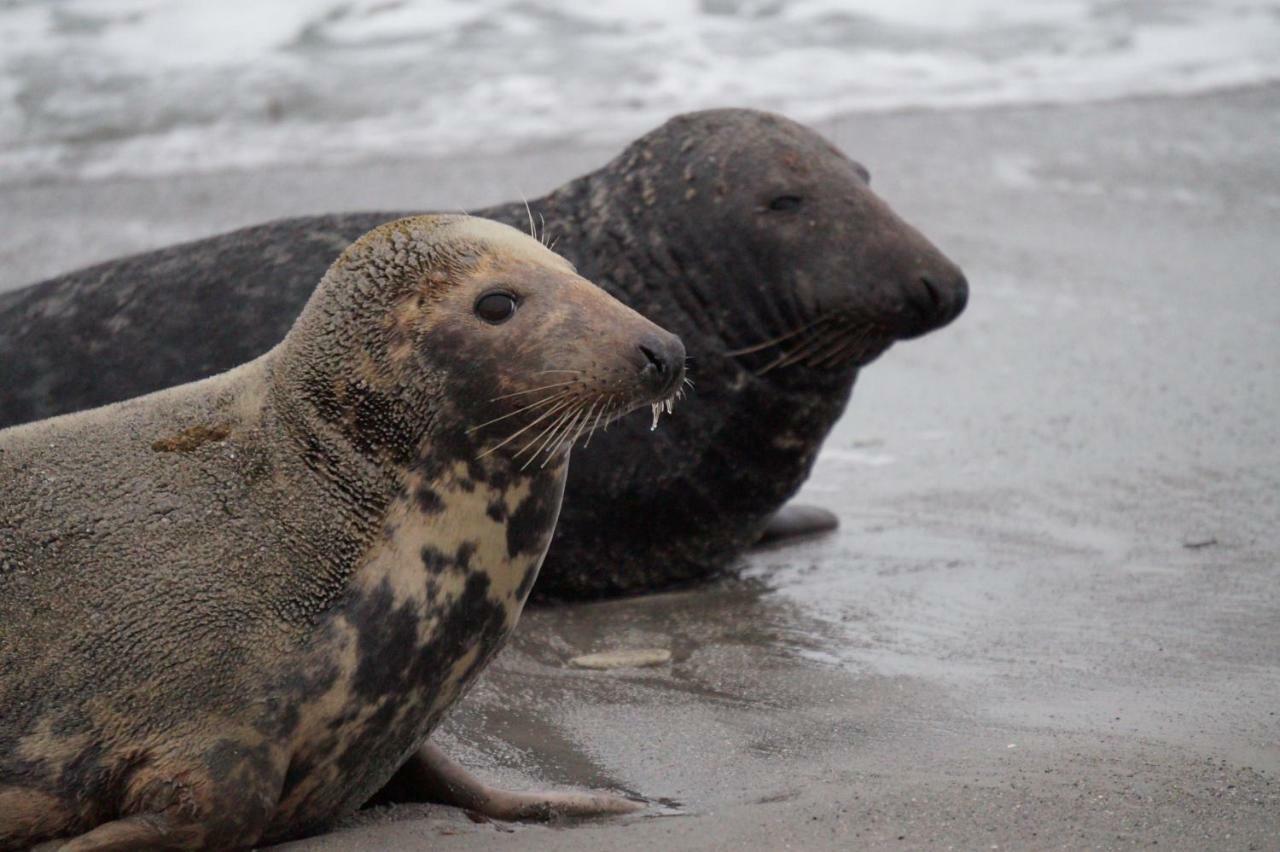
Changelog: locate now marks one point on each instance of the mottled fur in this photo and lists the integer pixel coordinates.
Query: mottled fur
(231, 610)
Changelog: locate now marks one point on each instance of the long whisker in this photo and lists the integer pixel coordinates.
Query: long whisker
(543, 416)
(816, 338)
(575, 372)
(818, 343)
(532, 390)
(559, 445)
(560, 424)
(555, 430)
(536, 438)
(813, 359)
(553, 424)
(596, 424)
(558, 442)
(851, 345)
(587, 420)
(776, 340)
(534, 404)
(533, 232)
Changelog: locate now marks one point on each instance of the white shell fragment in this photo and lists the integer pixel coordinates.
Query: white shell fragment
(634, 658)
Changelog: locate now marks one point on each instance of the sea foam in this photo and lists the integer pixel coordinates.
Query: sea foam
(98, 88)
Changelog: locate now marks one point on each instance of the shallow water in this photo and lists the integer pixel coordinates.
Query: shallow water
(108, 87)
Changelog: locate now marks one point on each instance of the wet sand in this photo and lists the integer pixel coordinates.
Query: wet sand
(1051, 617)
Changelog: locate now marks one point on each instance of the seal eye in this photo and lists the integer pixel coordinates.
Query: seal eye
(785, 202)
(496, 307)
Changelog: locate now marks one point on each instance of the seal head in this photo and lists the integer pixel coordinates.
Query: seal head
(772, 246)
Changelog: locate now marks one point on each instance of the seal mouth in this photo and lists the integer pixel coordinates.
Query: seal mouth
(833, 342)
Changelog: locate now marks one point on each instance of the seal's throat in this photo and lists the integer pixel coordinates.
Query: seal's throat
(435, 597)
(437, 535)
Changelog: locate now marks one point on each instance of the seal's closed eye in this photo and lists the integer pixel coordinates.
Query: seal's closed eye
(785, 202)
(496, 307)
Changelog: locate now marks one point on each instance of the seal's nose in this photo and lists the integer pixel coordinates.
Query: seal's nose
(663, 365)
(933, 299)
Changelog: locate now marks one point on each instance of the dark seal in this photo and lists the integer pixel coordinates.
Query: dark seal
(232, 611)
(749, 235)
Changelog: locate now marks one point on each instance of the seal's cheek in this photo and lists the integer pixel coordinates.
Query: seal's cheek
(630, 355)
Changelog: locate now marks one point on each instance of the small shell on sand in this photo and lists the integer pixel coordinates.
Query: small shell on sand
(632, 659)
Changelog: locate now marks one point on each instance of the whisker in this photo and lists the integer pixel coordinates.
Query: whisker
(596, 424)
(562, 424)
(851, 345)
(776, 340)
(533, 404)
(543, 416)
(533, 232)
(817, 357)
(553, 425)
(587, 420)
(560, 444)
(532, 390)
(817, 343)
(815, 338)
(575, 372)
(555, 430)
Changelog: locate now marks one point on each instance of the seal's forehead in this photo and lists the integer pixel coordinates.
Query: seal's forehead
(506, 240)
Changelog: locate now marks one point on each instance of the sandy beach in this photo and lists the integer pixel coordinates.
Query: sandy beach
(1051, 616)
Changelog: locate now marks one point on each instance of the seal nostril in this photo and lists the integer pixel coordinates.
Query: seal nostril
(961, 298)
(931, 290)
(655, 360)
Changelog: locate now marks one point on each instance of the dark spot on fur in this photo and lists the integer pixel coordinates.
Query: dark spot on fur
(532, 521)
(463, 557)
(380, 426)
(497, 511)
(434, 561)
(428, 501)
(396, 672)
(526, 582)
(397, 640)
(238, 763)
(191, 439)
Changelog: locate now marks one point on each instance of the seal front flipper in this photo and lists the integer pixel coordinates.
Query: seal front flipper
(430, 775)
(796, 521)
(144, 831)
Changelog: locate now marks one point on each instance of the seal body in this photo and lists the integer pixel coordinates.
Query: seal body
(230, 611)
(747, 234)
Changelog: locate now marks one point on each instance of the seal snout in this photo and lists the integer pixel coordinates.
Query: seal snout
(934, 298)
(662, 363)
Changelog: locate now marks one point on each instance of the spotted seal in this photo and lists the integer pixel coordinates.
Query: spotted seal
(232, 610)
(749, 235)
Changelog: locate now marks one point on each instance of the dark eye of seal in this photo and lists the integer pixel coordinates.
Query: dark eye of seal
(496, 308)
(785, 202)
